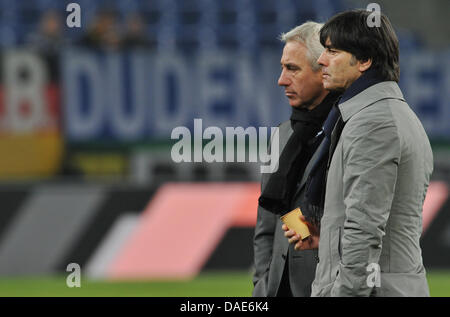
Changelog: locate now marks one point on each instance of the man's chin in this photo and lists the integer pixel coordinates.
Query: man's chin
(299, 106)
(327, 85)
(331, 87)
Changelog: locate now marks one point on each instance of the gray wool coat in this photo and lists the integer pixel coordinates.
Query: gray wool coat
(376, 185)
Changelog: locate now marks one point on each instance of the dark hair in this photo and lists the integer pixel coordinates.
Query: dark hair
(350, 32)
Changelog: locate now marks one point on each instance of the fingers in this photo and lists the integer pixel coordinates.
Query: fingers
(307, 244)
(298, 245)
(291, 235)
(303, 244)
(294, 239)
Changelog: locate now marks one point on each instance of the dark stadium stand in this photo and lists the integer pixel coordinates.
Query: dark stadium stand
(227, 24)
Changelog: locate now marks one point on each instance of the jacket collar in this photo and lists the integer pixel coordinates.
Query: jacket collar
(369, 78)
(368, 96)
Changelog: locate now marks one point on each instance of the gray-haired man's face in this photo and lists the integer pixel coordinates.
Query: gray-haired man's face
(303, 87)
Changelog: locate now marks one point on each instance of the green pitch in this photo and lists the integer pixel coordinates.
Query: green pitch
(223, 284)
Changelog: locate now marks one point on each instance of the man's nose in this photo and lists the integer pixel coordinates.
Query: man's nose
(322, 61)
(283, 80)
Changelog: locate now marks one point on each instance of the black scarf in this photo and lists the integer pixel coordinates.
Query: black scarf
(277, 194)
(315, 184)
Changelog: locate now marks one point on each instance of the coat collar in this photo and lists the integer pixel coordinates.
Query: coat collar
(367, 97)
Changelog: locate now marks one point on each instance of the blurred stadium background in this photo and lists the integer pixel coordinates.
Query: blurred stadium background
(86, 116)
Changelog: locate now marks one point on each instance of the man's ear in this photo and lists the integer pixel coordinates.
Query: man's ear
(365, 65)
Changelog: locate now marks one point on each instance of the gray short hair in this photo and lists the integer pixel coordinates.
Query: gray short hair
(308, 34)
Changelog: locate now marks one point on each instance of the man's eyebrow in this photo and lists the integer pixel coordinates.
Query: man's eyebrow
(289, 64)
(330, 47)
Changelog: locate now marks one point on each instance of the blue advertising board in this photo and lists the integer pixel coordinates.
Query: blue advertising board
(140, 95)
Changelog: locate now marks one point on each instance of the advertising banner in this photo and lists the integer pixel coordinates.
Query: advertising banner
(139, 96)
(30, 133)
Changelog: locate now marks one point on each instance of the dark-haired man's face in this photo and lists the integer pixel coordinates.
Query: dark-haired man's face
(339, 68)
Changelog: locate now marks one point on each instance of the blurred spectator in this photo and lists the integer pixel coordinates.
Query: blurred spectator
(135, 36)
(103, 33)
(48, 40)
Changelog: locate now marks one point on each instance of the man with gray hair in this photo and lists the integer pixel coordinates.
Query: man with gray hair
(279, 269)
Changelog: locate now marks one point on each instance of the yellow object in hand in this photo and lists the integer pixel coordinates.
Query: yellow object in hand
(293, 221)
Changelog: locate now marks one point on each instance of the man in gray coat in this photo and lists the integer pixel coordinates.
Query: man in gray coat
(279, 270)
(379, 170)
